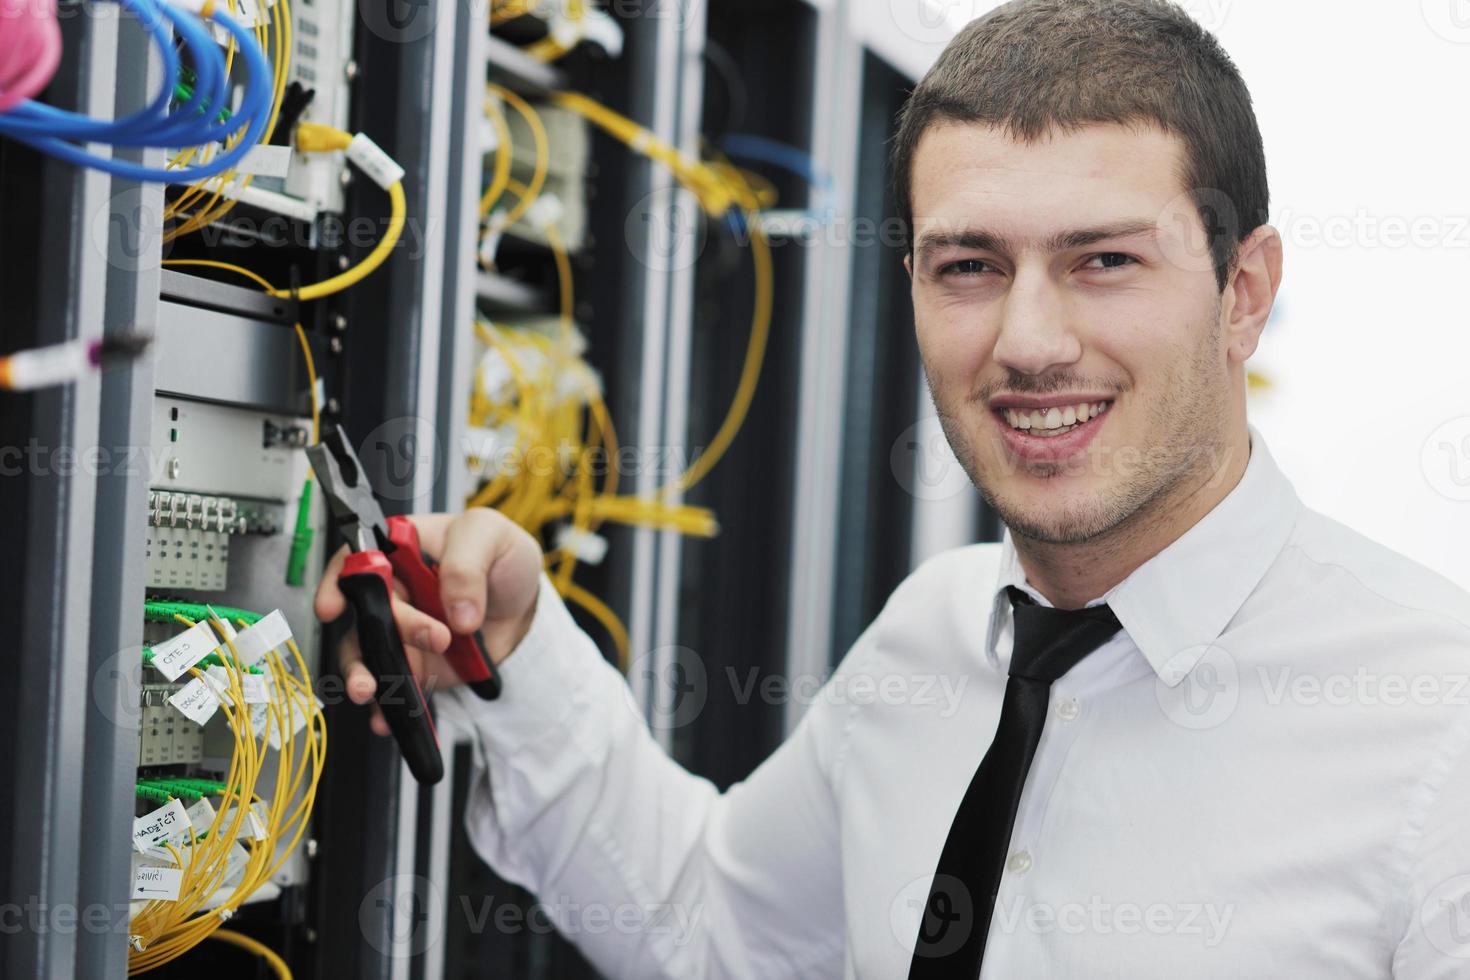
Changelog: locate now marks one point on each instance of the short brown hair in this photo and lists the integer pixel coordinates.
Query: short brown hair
(1034, 66)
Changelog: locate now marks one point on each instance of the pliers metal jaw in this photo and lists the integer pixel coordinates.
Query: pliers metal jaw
(384, 548)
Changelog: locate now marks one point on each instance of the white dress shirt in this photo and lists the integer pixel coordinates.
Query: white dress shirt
(1264, 775)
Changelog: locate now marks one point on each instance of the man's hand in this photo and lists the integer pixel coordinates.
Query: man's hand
(489, 575)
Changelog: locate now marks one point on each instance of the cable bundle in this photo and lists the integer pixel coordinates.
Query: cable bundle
(204, 118)
(30, 49)
(541, 393)
(293, 720)
(206, 202)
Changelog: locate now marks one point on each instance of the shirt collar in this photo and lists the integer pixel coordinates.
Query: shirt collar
(1178, 602)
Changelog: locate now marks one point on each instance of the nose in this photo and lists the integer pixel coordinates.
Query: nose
(1036, 334)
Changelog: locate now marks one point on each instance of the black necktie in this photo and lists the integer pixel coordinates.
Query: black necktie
(1049, 642)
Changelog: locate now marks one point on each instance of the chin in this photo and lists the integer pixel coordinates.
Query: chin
(1048, 509)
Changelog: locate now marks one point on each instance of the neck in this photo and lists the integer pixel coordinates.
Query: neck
(1071, 575)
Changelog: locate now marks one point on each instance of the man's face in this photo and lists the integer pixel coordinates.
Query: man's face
(1054, 279)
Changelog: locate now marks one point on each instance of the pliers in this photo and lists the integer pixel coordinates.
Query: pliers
(384, 547)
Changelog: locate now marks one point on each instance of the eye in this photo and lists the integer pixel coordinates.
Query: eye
(966, 267)
(1110, 260)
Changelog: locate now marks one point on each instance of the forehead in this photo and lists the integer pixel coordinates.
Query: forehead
(977, 175)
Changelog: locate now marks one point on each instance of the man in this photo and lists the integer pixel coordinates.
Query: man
(1253, 761)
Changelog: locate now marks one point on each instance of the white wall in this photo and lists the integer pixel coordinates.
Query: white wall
(1362, 106)
(1367, 139)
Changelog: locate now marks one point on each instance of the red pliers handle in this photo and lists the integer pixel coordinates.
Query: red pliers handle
(466, 654)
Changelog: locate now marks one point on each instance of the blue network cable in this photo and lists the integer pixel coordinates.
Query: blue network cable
(782, 155)
(196, 122)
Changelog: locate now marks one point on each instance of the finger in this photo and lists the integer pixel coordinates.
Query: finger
(378, 723)
(419, 628)
(330, 602)
(433, 532)
(482, 550)
(356, 678)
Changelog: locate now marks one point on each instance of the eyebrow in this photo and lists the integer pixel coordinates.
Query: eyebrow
(986, 241)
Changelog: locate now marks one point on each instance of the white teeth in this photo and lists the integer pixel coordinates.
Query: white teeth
(1054, 421)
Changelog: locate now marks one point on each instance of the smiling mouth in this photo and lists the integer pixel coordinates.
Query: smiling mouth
(1051, 422)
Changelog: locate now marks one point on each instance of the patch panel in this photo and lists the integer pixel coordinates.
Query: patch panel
(165, 737)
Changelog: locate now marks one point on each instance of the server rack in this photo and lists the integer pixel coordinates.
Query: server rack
(392, 352)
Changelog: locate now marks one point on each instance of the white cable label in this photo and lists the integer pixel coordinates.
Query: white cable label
(259, 817)
(174, 656)
(201, 817)
(224, 624)
(235, 860)
(156, 884)
(545, 210)
(370, 158)
(298, 721)
(588, 547)
(218, 680)
(265, 160)
(252, 827)
(169, 824)
(257, 689)
(268, 634)
(197, 701)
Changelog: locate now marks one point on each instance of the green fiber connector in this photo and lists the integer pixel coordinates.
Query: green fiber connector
(152, 794)
(183, 92)
(164, 612)
(204, 787)
(301, 540)
(185, 793)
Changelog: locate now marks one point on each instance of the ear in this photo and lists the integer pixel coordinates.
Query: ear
(1251, 292)
(908, 265)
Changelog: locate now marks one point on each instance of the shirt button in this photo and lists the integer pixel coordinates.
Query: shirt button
(1068, 709)
(1020, 862)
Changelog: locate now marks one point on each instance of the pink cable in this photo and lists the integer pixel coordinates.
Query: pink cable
(30, 49)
